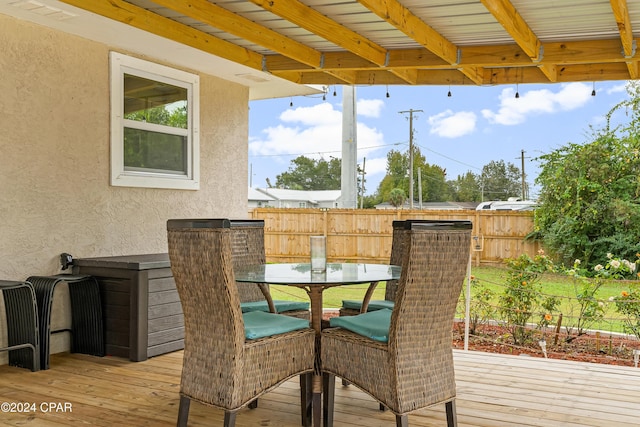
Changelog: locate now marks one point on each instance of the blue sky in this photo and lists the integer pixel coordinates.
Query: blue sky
(460, 133)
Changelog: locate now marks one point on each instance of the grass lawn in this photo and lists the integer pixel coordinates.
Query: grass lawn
(561, 286)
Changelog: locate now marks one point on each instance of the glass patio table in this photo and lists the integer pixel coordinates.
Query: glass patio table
(299, 275)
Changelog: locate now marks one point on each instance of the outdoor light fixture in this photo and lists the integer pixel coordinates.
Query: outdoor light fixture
(477, 243)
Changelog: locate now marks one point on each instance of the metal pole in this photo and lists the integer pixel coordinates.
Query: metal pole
(420, 188)
(523, 183)
(467, 308)
(348, 178)
(410, 111)
(364, 160)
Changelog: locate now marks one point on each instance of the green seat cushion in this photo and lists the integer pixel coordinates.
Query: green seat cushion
(258, 324)
(374, 324)
(377, 304)
(279, 304)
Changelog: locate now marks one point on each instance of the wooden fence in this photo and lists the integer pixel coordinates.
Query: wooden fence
(365, 235)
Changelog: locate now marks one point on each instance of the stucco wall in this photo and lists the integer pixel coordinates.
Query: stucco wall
(54, 158)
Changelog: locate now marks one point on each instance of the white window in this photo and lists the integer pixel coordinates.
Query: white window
(154, 125)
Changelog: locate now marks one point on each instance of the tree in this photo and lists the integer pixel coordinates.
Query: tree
(397, 197)
(396, 177)
(500, 181)
(434, 186)
(466, 188)
(310, 174)
(589, 192)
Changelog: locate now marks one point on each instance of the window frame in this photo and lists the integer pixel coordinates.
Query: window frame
(122, 64)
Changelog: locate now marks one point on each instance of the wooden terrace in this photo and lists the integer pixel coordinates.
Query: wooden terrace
(493, 390)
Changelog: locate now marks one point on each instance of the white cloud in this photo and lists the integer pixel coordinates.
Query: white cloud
(620, 88)
(369, 107)
(452, 125)
(314, 132)
(318, 115)
(375, 166)
(514, 110)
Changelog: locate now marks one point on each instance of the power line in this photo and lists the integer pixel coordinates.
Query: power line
(324, 152)
(450, 158)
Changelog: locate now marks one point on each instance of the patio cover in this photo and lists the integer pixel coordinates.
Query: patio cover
(404, 42)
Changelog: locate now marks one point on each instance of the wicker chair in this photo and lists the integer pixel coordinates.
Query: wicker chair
(398, 251)
(221, 367)
(247, 248)
(413, 368)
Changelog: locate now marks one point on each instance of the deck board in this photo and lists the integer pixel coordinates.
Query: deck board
(493, 391)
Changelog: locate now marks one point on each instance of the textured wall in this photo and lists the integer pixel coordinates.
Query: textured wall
(54, 158)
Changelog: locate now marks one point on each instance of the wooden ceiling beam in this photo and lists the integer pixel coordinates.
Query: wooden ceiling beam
(345, 77)
(404, 20)
(311, 20)
(232, 23)
(137, 17)
(511, 20)
(402, 58)
(490, 76)
(409, 75)
(621, 14)
(401, 18)
(556, 54)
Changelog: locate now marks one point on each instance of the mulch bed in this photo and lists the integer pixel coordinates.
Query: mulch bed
(605, 349)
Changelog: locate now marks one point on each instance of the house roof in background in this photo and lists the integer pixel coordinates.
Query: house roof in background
(409, 42)
(302, 195)
(259, 196)
(431, 205)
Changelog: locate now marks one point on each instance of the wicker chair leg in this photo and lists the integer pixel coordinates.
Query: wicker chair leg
(183, 411)
(328, 397)
(452, 419)
(253, 404)
(402, 421)
(306, 395)
(229, 418)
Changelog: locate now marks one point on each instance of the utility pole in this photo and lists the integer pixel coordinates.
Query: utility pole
(524, 184)
(420, 188)
(411, 111)
(364, 160)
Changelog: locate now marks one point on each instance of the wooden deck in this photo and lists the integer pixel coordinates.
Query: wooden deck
(493, 390)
